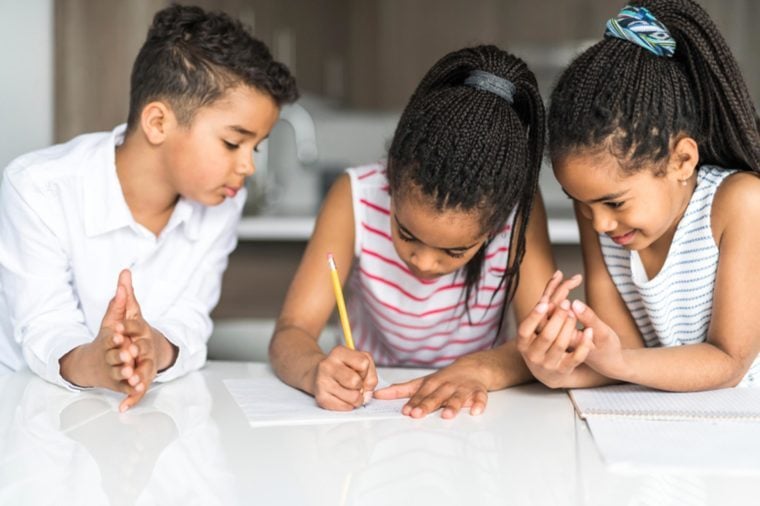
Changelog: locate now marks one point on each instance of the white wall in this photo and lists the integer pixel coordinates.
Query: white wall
(26, 77)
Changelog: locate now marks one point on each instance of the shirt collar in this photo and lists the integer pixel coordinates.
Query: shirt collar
(104, 205)
(188, 213)
(106, 209)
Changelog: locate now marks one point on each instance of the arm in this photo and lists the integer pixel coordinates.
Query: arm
(38, 285)
(733, 340)
(337, 381)
(467, 381)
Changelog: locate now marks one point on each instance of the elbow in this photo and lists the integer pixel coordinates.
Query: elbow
(738, 368)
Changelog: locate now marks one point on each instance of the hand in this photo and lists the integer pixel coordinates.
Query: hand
(345, 379)
(107, 361)
(152, 351)
(557, 289)
(606, 355)
(452, 388)
(548, 340)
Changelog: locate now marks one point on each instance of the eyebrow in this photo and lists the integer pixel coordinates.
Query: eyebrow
(241, 130)
(407, 232)
(603, 198)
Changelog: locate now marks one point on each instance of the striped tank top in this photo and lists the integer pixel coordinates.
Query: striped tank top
(674, 308)
(403, 320)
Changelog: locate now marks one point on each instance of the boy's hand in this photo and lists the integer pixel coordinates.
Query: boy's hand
(345, 379)
(152, 351)
(452, 388)
(106, 362)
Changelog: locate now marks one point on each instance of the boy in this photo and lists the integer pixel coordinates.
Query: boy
(161, 197)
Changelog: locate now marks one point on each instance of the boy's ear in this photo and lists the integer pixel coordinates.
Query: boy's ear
(156, 120)
(684, 158)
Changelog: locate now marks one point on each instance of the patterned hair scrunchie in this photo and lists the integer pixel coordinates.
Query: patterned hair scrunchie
(638, 25)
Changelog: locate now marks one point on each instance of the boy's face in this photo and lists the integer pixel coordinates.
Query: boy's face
(208, 160)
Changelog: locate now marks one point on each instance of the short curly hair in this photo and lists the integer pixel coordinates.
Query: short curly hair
(191, 57)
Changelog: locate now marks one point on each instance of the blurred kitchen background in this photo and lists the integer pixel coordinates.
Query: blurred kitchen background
(66, 66)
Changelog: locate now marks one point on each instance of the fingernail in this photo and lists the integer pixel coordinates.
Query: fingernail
(556, 273)
(124, 356)
(565, 304)
(140, 387)
(542, 308)
(133, 350)
(126, 372)
(367, 396)
(578, 306)
(476, 411)
(577, 276)
(117, 339)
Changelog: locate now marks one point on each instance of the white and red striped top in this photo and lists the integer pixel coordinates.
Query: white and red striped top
(403, 320)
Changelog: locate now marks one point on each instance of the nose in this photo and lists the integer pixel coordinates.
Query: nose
(424, 260)
(247, 166)
(603, 221)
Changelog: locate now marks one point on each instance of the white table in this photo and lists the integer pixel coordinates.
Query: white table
(189, 443)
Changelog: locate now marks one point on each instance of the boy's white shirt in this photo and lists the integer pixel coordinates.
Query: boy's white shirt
(65, 234)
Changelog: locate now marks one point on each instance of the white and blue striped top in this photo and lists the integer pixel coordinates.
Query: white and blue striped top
(674, 308)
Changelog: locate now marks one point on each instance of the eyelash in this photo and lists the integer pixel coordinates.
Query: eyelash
(614, 205)
(405, 237)
(232, 146)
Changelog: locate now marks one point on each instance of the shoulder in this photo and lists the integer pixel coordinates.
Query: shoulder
(736, 203)
(57, 165)
(368, 176)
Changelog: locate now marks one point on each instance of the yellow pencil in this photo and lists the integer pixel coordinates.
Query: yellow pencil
(341, 303)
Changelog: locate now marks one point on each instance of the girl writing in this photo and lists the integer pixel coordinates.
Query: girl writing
(438, 241)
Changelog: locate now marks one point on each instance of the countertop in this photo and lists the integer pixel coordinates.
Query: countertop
(189, 443)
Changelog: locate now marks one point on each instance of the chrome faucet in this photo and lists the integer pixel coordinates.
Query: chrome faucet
(263, 188)
(303, 130)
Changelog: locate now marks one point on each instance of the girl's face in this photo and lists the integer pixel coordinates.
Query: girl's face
(433, 243)
(635, 210)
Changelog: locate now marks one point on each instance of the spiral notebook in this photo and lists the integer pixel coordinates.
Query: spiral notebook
(646, 403)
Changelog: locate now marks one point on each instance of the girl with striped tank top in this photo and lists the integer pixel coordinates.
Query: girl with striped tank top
(654, 136)
(431, 245)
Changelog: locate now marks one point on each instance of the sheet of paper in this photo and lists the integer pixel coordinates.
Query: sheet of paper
(268, 402)
(638, 401)
(693, 445)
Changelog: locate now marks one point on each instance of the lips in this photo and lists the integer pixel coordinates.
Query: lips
(623, 239)
(231, 191)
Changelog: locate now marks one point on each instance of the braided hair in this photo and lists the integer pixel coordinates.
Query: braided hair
(621, 97)
(191, 57)
(468, 149)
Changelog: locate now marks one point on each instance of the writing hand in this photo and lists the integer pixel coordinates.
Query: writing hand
(345, 379)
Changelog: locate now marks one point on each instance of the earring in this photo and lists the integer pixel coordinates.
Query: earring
(683, 182)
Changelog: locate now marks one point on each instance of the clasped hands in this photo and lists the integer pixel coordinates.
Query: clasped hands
(559, 336)
(126, 354)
